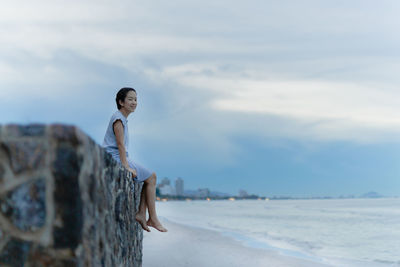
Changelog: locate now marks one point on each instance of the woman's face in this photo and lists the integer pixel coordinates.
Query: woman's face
(130, 102)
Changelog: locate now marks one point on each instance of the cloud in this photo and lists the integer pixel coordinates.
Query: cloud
(317, 70)
(321, 109)
(274, 85)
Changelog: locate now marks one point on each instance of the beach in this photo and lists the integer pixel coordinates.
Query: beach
(195, 247)
(336, 232)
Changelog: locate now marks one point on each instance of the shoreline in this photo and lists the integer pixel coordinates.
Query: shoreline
(254, 243)
(278, 236)
(185, 245)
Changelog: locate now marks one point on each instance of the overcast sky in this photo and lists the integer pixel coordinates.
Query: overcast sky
(294, 98)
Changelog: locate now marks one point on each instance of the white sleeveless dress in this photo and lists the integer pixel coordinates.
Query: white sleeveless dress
(110, 145)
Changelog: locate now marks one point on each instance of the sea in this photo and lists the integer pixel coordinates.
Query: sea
(336, 232)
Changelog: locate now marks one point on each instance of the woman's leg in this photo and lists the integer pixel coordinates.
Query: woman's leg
(150, 196)
(141, 214)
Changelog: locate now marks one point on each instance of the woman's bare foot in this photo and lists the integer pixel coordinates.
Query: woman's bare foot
(156, 224)
(142, 220)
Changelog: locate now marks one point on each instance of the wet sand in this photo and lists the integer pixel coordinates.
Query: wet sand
(194, 247)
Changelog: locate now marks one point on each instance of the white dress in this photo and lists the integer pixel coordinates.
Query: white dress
(110, 145)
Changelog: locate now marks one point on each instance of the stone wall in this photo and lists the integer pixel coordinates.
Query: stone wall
(64, 201)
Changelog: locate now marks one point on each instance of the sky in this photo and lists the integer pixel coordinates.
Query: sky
(279, 98)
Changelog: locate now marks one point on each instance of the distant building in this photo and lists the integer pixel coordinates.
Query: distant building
(179, 186)
(165, 187)
(203, 192)
(167, 190)
(243, 193)
(165, 181)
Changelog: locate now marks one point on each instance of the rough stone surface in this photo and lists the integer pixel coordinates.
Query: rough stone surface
(65, 201)
(42, 257)
(15, 252)
(66, 168)
(2, 172)
(60, 132)
(25, 155)
(25, 206)
(31, 130)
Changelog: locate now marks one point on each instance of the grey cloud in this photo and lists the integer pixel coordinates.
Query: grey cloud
(84, 53)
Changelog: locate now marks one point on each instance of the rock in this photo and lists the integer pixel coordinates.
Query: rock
(64, 201)
(25, 155)
(67, 195)
(14, 253)
(31, 130)
(25, 206)
(60, 132)
(2, 173)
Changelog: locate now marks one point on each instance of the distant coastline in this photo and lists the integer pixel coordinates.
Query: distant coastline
(224, 196)
(169, 190)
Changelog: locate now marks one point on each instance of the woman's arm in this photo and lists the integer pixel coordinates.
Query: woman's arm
(119, 136)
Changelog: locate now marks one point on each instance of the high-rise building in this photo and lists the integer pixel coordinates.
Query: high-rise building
(167, 190)
(165, 181)
(165, 187)
(179, 186)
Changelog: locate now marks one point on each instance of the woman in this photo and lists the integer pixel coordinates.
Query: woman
(116, 141)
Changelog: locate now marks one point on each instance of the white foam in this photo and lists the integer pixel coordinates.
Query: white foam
(358, 231)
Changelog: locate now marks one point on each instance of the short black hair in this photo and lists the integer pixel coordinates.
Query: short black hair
(121, 95)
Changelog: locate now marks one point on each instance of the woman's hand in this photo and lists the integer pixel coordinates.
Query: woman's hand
(134, 174)
(133, 171)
